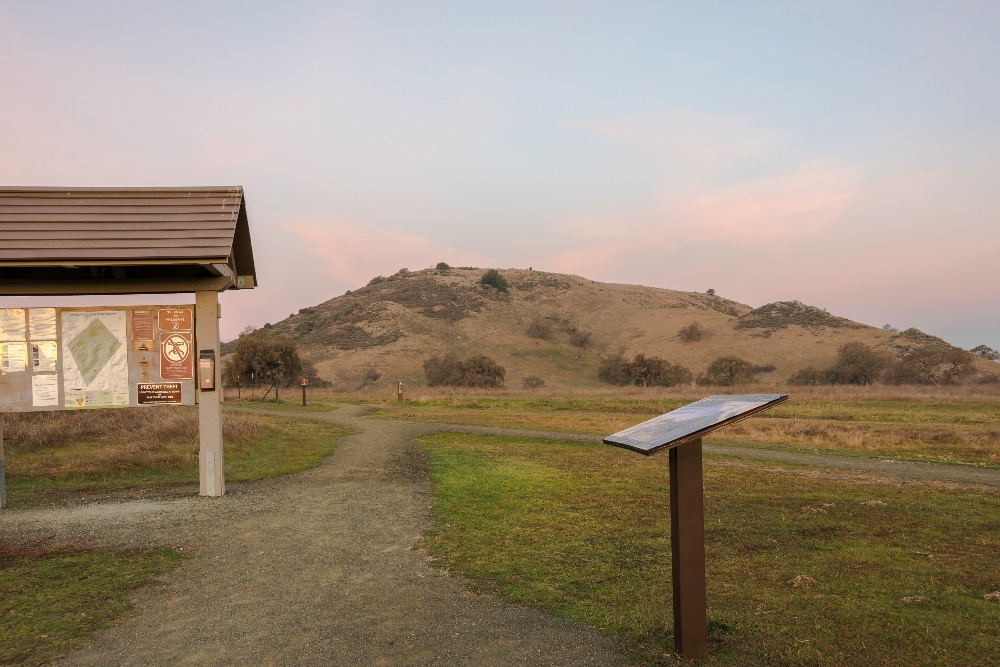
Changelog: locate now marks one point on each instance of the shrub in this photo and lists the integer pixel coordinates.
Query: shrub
(932, 365)
(808, 376)
(762, 368)
(476, 371)
(692, 333)
(727, 371)
(579, 338)
(441, 266)
(492, 278)
(376, 280)
(371, 375)
(539, 329)
(262, 357)
(532, 382)
(614, 369)
(856, 364)
(642, 371)
(986, 352)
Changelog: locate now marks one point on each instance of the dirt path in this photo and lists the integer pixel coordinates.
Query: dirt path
(310, 569)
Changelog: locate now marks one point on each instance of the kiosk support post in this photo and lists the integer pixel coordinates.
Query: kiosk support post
(211, 462)
(3, 471)
(687, 543)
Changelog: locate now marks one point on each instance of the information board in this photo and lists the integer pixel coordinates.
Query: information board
(691, 421)
(75, 358)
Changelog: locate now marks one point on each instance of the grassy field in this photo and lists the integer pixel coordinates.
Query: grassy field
(54, 598)
(803, 568)
(947, 427)
(60, 456)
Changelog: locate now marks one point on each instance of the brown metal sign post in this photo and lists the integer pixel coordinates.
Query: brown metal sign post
(304, 382)
(681, 431)
(399, 392)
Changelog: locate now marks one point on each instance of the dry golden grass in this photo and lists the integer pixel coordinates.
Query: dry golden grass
(943, 424)
(86, 441)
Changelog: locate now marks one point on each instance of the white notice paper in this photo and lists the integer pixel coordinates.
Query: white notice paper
(12, 324)
(42, 323)
(43, 356)
(13, 357)
(44, 390)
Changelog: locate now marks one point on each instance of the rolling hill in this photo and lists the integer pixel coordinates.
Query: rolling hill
(390, 326)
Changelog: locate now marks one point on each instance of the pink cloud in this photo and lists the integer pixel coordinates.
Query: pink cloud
(355, 251)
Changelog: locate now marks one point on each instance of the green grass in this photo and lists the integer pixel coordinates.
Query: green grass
(53, 599)
(287, 446)
(583, 531)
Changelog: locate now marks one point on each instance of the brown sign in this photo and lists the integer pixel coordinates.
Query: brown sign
(304, 382)
(162, 393)
(175, 319)
(176, 355)
(142, 324)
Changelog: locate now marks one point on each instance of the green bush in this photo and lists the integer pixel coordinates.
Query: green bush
(532, 382)
(475, 371)
(539, 328)
(692, 333)
(642, 371)
(441, 266)
(492, 278)
(727, 372)
(856, 363)
(932, 365)
(808, 377)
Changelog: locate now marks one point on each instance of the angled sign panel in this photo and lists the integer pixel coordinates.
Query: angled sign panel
(691, 421)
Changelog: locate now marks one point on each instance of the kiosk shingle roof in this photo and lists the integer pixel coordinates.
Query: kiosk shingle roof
(48, 233)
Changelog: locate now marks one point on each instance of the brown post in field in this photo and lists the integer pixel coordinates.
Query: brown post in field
(687, 544)
(399, 392)
(304, 382)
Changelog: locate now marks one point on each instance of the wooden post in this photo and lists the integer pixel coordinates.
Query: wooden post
(687, 543)
(399, 391)
(3, 469)
(211, 461)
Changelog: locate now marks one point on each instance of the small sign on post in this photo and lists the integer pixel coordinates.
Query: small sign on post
(304, 382)
(399, 392)
(681, 431)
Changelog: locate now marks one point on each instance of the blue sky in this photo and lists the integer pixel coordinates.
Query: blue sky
(842, 154)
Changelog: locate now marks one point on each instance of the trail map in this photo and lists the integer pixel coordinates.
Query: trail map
(95, 364)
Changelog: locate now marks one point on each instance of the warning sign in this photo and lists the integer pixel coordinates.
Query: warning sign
(176, 360)
(175, 319)
(160, 393)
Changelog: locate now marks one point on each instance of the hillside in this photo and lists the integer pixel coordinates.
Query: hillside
(393, 324)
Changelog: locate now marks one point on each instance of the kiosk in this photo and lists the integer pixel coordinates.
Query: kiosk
(104, 241)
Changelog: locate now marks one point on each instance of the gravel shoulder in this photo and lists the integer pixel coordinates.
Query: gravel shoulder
(316, 568)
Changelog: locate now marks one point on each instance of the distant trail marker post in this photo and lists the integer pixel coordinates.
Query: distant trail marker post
(399, 392)
(304, 382)
(680, 431)
(87, 241)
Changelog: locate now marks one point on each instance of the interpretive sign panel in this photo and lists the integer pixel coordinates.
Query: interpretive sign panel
(74, 358)
(691, 421)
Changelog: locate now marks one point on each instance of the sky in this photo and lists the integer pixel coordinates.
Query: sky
(844, 154)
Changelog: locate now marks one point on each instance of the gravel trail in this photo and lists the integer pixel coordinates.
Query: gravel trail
(315, 568)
